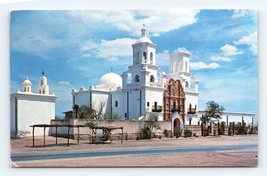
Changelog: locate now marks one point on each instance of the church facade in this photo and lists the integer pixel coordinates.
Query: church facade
(144, 88)
(28, 108)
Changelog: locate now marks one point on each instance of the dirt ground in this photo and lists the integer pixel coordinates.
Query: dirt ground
(202, 159)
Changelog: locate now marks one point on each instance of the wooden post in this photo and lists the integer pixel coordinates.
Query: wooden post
(243, 126)
(68, 135)
(252, 125)
(89, 135)
(122, 136)
(44, 136)
(218, 130)
(56, 135)
(78, 134)
(233, 128)
(33, 136)
(202, 130)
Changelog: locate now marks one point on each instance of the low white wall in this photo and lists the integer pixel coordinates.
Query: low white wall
(129, 127)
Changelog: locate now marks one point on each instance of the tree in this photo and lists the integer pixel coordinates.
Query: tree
(86, 112)
(212, 112)
(151, 123)
(112, 116)
(99, 111)
(76, 108)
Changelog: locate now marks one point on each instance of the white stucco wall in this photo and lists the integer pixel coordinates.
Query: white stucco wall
(235, 117)
(82, 98)
(31, 109)
(12, 117)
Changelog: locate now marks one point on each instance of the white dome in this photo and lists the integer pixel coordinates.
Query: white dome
(111, 79)
(143, 40)
(27, 82)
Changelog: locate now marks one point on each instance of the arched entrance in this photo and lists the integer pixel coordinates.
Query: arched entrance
(176, 126)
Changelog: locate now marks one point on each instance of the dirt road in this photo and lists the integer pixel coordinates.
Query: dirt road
(218, 159)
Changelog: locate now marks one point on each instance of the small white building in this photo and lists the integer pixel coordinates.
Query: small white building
(140, 89)
(229, 117)
(28, 108)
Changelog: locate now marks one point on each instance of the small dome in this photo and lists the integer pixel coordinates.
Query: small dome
(144, 37)
(143, 40)
(27, 82)
(111, 79)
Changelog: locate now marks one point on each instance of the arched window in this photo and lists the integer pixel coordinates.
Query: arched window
(152, 78)
(24, 89)
(40, 92)
(28, 89)
(186, 84)
(42, 82)
(43, 91)
(151, 58)
(136, 78)
(144, 56)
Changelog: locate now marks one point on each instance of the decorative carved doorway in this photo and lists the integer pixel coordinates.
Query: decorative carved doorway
(173, 99)
(176, 127)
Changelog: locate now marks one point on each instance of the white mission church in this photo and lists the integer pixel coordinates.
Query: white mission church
(144, 87)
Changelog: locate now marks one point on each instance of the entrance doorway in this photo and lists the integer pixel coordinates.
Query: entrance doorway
(176, 127)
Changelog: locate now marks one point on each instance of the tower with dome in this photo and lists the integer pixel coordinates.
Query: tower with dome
(28, 108)
(144, 87)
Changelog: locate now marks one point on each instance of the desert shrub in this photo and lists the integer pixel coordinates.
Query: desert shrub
(146, 133)
(166, 134)
(91, 124)
(187, 133)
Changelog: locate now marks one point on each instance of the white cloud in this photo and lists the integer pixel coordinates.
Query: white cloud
(202, 65)
(87, 55)
(163, 58)
(230, 50)
(243, 13)
(221, 58)
(182, 49)
(36, 44)
(108, 49)
(64, 83)
(250, 40)
(157, 21)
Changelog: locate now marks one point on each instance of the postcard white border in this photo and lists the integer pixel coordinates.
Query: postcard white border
(5, 8)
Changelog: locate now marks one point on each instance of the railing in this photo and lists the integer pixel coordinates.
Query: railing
(156, 108)
(191, 110)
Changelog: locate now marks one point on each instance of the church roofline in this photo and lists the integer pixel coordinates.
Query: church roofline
(179, 53)
(34, 96)
(142, 43)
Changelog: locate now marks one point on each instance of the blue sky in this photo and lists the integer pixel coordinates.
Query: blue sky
(75, 48)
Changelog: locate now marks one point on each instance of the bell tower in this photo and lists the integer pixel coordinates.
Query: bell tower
(27, 86)
(43, 87)
(144, 50)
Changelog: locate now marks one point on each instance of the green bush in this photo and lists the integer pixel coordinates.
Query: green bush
(166, 133)
(187, 133)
